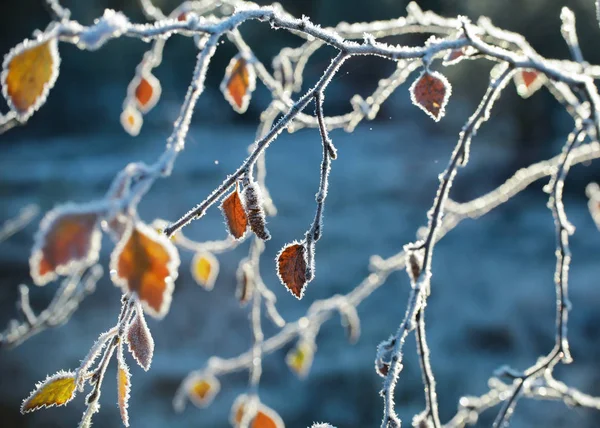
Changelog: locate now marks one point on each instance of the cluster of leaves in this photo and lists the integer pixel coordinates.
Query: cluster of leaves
(144, 262)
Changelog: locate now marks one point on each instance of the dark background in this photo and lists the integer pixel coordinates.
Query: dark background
(493, 294)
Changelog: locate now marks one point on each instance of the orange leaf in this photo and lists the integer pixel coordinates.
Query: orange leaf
(131, 120)
(146, 90)
(56, 390)
(205, 268)
(430, 92)
(202, 390)
(291, 268)
(145, 262)
(140, 342)
(123, 386)
(68, 239)
(234, 214)
(265, 416)
(29, 72)
(528, 82)
(239, 83)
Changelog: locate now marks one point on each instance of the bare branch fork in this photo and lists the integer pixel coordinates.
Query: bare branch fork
(207, 21)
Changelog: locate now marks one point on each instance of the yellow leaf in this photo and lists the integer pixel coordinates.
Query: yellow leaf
(202, 390)
(56, 390)
(123, 386)
(29, 72)
(300, 358)
(205, 268)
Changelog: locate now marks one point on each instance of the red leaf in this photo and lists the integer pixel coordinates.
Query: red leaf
(145, 262)
(68, 239)
(430, 92)
(291, 268)
(234, 214)
(528, 82)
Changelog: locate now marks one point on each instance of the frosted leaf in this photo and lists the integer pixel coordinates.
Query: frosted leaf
(145, 90)
(291, 268)
(253, 204)
(528, 82)
(239, 83)
(29, 71)
(146, 263)
(131, 120)
(68, 239)
(56, 390)
(140, 341)
(203, 389)
(430, 92)
(123, 386)
(205, 269)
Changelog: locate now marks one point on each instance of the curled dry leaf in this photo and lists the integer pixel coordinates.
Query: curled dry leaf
(140, 342)
(245, 283)
(29, 72)
(300, 358)
(265, 416)
(205, 268)
(291, 268)
(123, 386)
(146, 91)
(253, 204)
(528, 82)
(239, 83)
(234, 214)
(68, 239)
(56, 390)
(430, 92)
(145, 262)
(131, 120)
(202, 390)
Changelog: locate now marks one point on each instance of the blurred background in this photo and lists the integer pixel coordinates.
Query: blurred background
(493, 298)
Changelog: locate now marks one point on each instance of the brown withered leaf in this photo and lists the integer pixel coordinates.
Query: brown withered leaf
(140, 342)
(528, 82)
(205, 269)
(234, 214)
(123, 386)
(253, 205)
(202, 390)
(29, 72)
(430, 92)
(68, 239)
(56, 390)
(145, 262)
(239, 83)
(291, 268)
(245, 283)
